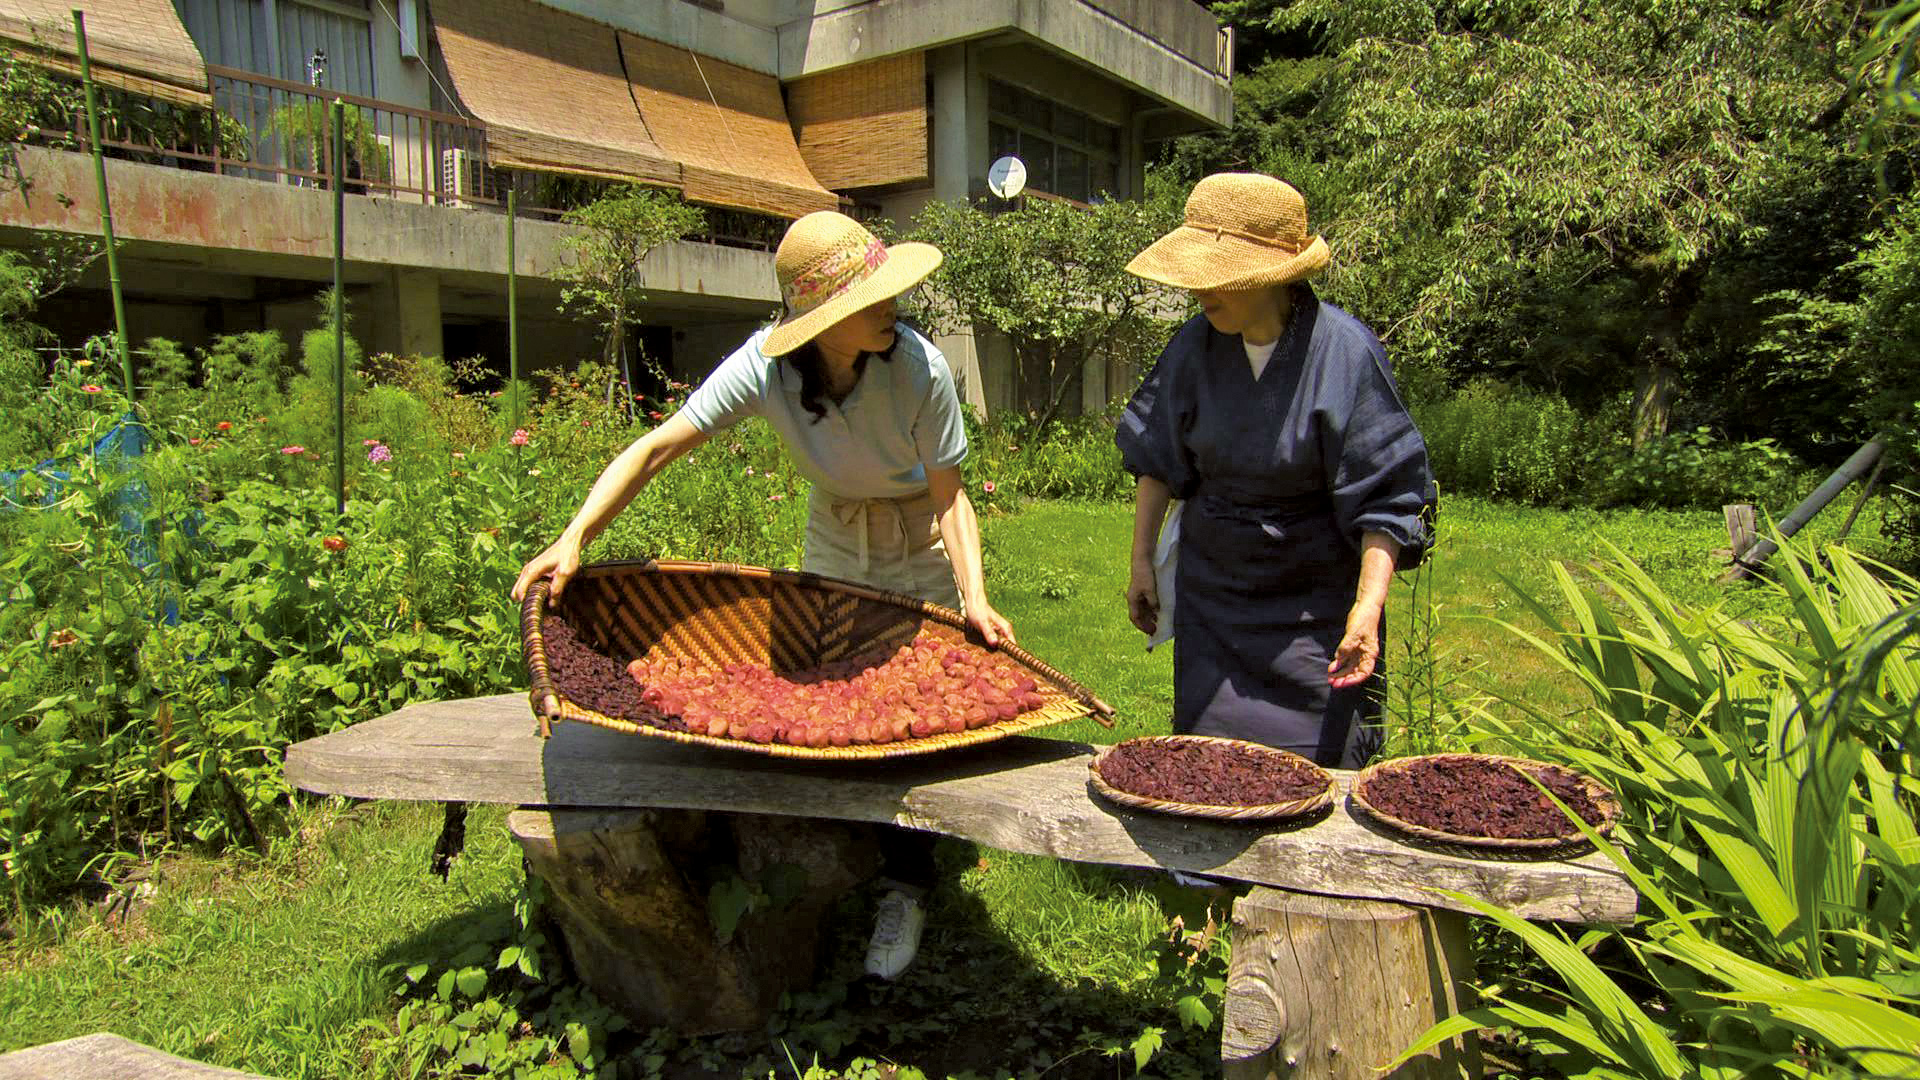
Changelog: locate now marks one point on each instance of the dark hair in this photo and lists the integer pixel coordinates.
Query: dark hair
(813, 372)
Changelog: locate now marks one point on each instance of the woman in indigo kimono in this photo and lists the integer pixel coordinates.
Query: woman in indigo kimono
(1275, 418)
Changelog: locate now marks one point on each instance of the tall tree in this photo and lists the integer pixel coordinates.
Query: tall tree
(1586, 159)
(1052, 277)
(610, 239)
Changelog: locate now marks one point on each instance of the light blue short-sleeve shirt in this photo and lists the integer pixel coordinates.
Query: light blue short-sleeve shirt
(902, 417)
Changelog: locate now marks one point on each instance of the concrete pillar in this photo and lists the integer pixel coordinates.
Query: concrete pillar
(963, 358)
(417, 295)
(959, 171)
(1093, 384)
(952, 121)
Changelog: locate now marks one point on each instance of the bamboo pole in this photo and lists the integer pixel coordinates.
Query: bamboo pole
(106, 208)
(513, 317)
(337, 165)
(1863, 459)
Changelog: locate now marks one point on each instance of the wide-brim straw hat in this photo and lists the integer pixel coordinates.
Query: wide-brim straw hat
(1242, 231)
(829, 267)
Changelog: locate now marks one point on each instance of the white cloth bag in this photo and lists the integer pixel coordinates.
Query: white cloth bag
(1166, 555)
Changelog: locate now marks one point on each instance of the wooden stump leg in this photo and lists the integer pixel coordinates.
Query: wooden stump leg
(630, 893)
(1330, 988)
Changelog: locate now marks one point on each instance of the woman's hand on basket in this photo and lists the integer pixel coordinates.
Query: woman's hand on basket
(990, 624)
(560, 561)
(1143, 597)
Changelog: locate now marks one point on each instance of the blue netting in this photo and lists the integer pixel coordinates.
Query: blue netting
(118, 449)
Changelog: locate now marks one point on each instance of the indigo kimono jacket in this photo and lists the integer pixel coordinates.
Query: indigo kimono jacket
(1282, 475)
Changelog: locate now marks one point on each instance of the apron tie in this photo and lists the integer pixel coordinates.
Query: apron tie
(857, 514)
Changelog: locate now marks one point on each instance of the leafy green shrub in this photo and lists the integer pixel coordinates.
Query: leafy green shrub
(1695, 469)
(1014, 457)
(1503, 442)
(1766, 771)
(172, 624)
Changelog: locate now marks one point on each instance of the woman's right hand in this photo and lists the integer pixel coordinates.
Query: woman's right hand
(560, 561)
(1143, 597)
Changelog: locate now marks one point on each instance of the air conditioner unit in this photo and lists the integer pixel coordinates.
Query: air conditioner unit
(393, 161)
(465, 179)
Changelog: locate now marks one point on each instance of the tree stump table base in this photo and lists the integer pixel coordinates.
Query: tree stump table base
(634, 894)
(1329, 988)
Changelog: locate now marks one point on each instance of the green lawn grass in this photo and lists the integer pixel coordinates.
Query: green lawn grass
(286, 965)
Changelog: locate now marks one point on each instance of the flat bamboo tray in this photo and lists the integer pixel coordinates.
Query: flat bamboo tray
(1302, 807)
(1602, 797)
(720, 613)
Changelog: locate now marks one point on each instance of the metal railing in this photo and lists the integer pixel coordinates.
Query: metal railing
(282, 132)
(272, 129)
(392, 150)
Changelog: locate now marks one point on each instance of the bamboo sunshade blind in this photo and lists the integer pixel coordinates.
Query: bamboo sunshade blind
(550, 88)
(139, 45)
(564, 93)
(726, 126)
(865, 125)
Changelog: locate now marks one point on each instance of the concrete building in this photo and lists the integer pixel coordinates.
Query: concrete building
(761, 110)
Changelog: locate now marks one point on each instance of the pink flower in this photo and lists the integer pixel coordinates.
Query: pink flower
(775, 497)
(379, 455)
(193, 442)
(90, 388)
(224, 425)
(749, 470)
(519, 437)
(987, 487)
(654, 416)
(369, 442)
(293, 450)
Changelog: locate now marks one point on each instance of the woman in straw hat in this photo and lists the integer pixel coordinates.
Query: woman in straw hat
(1275, 419)
(866, 405)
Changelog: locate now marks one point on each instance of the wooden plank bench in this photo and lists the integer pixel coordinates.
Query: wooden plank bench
(1345, 905)
(104, 1056)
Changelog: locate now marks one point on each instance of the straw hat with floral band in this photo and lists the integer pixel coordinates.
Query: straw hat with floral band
(1242, 231)
(829, 267)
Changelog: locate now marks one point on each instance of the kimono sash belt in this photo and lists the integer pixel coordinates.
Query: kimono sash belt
(1259, 513)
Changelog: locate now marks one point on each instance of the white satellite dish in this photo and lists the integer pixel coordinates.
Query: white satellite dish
(1007, 177)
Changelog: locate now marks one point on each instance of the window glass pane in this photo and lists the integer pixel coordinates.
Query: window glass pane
(1000, 98)
(1102, 176)
(1034, 110)
(1069, 125)
(1001, 141)
(1105, 137)
(1070, 173)
(1038, 154)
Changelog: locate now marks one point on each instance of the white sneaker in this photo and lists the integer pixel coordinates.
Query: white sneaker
(896, 934)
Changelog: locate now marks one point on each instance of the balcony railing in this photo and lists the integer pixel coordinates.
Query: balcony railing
(271, 129)
(286, 133)
(283, 132)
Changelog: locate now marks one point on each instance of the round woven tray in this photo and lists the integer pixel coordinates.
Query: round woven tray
(721, 613)
(1302, 807)
(1605, 799)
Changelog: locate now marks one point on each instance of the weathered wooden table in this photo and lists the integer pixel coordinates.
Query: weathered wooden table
(1345, 955)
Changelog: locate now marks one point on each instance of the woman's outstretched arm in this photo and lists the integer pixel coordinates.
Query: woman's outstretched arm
(619, 482)
(960, 530)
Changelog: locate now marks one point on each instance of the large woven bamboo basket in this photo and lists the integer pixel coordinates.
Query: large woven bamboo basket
(1267, 812)
(1608, 803)
(719, 613)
